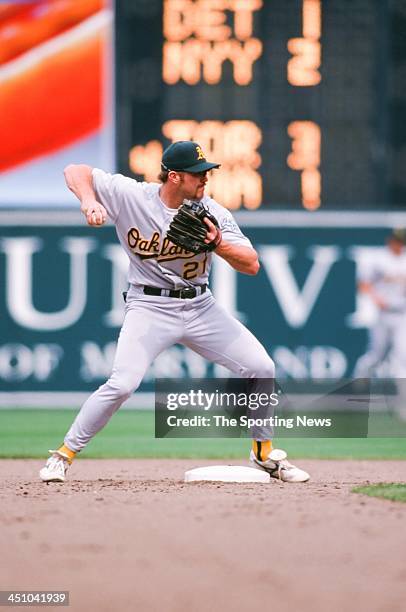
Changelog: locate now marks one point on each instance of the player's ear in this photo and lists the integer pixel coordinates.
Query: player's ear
(174, 177)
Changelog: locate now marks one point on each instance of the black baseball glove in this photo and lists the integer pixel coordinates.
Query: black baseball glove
(188, 229)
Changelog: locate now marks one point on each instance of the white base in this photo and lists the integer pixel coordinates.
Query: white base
(227, 473)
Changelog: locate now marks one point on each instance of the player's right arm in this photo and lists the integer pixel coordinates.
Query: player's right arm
(79, 180)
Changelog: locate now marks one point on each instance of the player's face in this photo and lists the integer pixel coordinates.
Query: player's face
(396, 246)
(193, 184)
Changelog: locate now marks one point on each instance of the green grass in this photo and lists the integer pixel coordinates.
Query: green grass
(394, 492)
(30, 433)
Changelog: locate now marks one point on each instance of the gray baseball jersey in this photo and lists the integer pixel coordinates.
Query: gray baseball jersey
(142, 219)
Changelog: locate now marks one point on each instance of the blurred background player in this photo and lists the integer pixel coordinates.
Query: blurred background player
(384, 281)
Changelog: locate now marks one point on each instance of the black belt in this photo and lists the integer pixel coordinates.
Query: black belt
(186, 293)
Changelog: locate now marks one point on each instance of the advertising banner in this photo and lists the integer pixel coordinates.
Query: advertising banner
(62, 306)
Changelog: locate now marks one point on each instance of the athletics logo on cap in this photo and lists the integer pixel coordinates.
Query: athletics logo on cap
(200, 154)
(181, 157)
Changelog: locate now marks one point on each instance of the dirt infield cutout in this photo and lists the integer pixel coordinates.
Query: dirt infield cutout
(131, 535)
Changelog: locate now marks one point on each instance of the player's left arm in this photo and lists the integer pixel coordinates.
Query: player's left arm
(242, 258)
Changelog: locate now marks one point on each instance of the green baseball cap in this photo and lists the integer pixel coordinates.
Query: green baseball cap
(186, 156)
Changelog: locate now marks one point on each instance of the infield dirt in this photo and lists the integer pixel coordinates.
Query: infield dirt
(130, 535)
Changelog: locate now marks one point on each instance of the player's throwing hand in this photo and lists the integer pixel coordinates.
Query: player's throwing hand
(95, 213)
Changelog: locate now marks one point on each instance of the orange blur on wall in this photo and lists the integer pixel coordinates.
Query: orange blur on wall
(50, 78)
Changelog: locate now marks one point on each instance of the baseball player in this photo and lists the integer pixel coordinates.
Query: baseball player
(385, 283)
(168, 300)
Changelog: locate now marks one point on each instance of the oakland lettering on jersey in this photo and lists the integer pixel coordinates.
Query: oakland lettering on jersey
(171, 251)
(151, 248)
(138, 243)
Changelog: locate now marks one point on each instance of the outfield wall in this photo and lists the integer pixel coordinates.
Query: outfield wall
(62, 306)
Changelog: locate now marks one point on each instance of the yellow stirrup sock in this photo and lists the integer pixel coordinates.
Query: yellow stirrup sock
(262, 449)
(68, 452)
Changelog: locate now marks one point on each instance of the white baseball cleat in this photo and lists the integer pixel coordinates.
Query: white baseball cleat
(55, 468)
(278, 466)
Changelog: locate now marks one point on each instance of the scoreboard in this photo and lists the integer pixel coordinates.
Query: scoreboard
(293, 97)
